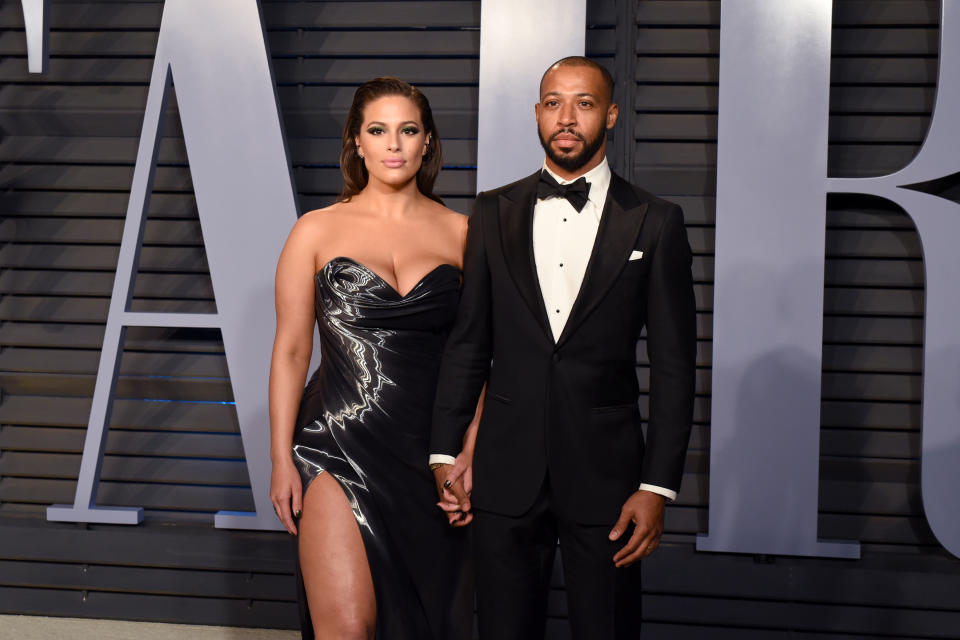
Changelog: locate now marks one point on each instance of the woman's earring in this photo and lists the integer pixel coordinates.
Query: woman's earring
(360, 153)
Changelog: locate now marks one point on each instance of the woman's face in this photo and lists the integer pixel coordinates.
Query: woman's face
(392, 140)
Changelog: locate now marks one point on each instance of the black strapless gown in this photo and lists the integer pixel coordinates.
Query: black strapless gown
(365, 419)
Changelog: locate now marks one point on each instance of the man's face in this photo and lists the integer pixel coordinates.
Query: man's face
(572, 116)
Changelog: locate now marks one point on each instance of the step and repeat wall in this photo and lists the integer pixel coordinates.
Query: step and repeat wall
(68, 144)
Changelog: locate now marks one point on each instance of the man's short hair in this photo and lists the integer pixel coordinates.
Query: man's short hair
(581, 61)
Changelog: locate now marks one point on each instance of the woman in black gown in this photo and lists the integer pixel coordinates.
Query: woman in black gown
(380, 272)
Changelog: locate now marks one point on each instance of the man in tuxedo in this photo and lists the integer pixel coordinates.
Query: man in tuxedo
(563, 269)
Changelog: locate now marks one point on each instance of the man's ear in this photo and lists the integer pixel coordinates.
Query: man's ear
(612, 112)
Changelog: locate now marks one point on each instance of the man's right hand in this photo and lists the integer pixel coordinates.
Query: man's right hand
(454, 497)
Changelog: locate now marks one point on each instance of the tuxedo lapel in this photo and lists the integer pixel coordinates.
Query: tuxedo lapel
(620, 224)
(516, 236)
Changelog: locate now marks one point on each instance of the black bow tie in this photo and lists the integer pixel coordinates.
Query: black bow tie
(576, 192)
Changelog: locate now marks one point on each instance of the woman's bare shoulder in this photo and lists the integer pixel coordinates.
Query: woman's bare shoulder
(454, 225)
(324, 216)
(455, 219)
(323, 222)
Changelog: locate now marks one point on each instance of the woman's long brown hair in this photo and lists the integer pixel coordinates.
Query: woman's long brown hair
(354, 171)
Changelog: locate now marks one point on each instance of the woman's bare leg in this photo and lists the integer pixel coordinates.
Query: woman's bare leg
(334, 565)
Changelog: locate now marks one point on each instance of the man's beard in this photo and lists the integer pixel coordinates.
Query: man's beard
(575, 161)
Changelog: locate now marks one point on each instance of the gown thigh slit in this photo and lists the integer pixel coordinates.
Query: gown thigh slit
(318, 510)
(365, 419)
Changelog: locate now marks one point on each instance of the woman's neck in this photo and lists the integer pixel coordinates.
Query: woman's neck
(390, 199)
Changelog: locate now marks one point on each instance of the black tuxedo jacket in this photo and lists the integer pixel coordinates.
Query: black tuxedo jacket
(570, 407)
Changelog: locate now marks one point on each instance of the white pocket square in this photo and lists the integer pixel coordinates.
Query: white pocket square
(636, 255)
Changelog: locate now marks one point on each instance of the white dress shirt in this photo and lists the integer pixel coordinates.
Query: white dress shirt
(562, 243)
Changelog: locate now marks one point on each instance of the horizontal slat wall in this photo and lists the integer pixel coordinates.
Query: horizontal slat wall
(883, 77)
(67, 145)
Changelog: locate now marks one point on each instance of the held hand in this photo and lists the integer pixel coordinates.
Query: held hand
(462, 468)
(286, 493)
(450, 487)
(456, 517)
(645, 510)
(455, 482)
(459, 474)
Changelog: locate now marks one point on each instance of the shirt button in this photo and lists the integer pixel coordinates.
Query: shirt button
(561, 264)
(564, 219)
(558, 310)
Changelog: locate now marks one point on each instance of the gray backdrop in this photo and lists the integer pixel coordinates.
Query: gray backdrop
(69, 143)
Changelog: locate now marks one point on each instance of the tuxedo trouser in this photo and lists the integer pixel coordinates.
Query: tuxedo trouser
(514, 563)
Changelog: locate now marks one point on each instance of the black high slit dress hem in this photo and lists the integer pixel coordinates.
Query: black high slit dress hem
(365, 419)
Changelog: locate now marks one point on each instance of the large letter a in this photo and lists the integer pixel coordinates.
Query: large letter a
(216, 52)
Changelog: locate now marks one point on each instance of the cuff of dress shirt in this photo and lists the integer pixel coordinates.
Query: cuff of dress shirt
(666, 493)
(439, 458)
